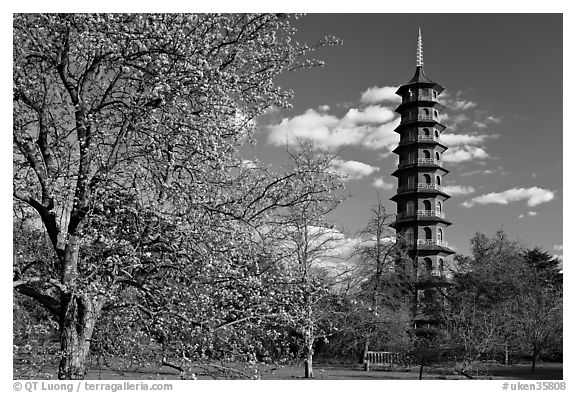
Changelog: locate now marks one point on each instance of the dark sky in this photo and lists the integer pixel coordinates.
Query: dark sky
(503, 80)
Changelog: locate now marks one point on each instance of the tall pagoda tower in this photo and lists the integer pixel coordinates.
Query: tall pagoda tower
(420, 197)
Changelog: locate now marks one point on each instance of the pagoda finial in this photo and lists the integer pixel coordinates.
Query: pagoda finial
(419, 55)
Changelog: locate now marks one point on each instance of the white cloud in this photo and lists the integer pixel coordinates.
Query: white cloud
(458, 190)
(353, 169)
(558, 247)
(321, 129)
(532, 213)
(463, 139)
(484, 123)
(370, 114)
(499, 170)
(533, 196)
(380, 183)
(520, 216)
(459, 118)
(324, 108)
(462, 105)
(371, 127)
(378, 94)
(464, 153)
(383, 136)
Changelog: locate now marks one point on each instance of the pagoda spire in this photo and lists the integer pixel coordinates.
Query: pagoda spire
(419, 55)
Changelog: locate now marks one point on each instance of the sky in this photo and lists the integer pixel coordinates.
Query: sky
(503, 98)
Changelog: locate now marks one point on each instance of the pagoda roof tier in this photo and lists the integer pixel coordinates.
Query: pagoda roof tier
(411, 192)
(430, 249)
(433, 249)
(409, 144)
(409, 220)
(427, 121)
(415, 168)
(419, 80)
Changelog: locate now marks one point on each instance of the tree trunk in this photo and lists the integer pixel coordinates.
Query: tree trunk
(308, 370)
(534, 356)
(506, 360)
(76, 328)
(365, 353)
(421, 370)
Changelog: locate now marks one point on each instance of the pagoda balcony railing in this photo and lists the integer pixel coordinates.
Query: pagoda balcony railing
(421, 186)
(428, 161)
(419, 161)
(431, 242)
(431, 213)
(430, 186)
(427, 138)
(420, 213)
(430, 273)
(420, 97)
(407, 119)
(421, 138)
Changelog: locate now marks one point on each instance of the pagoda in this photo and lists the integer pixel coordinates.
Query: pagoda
(420, 198)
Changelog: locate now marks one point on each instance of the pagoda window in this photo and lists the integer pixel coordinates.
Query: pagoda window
(410, 207)
(426, 111)
(428, 264)
(441, 266)
(409, 234)
(427, 205)
(439, 235)
(426, 132)
(439, 206)
(435, 113)
(438, 180)
(437, 156)
(428, 233)
(436, 134)
(426, 154)
(411, 181)
(427, 179)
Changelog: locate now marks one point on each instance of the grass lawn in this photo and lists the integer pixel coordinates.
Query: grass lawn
(544, 371)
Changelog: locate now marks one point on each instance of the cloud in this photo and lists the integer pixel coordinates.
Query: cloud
(353, 169)
(558, 247)
(484, 123)
(380, 183)
(499, 170)
(534, 196)
(321, 129)
(463, 139)
(371, 127)
(532, 213)
(376, 94)
(456, 103)
(462, 104)
(464, 153)
(458, 190)
(383, 136)
(370, 114)
(324, 108)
